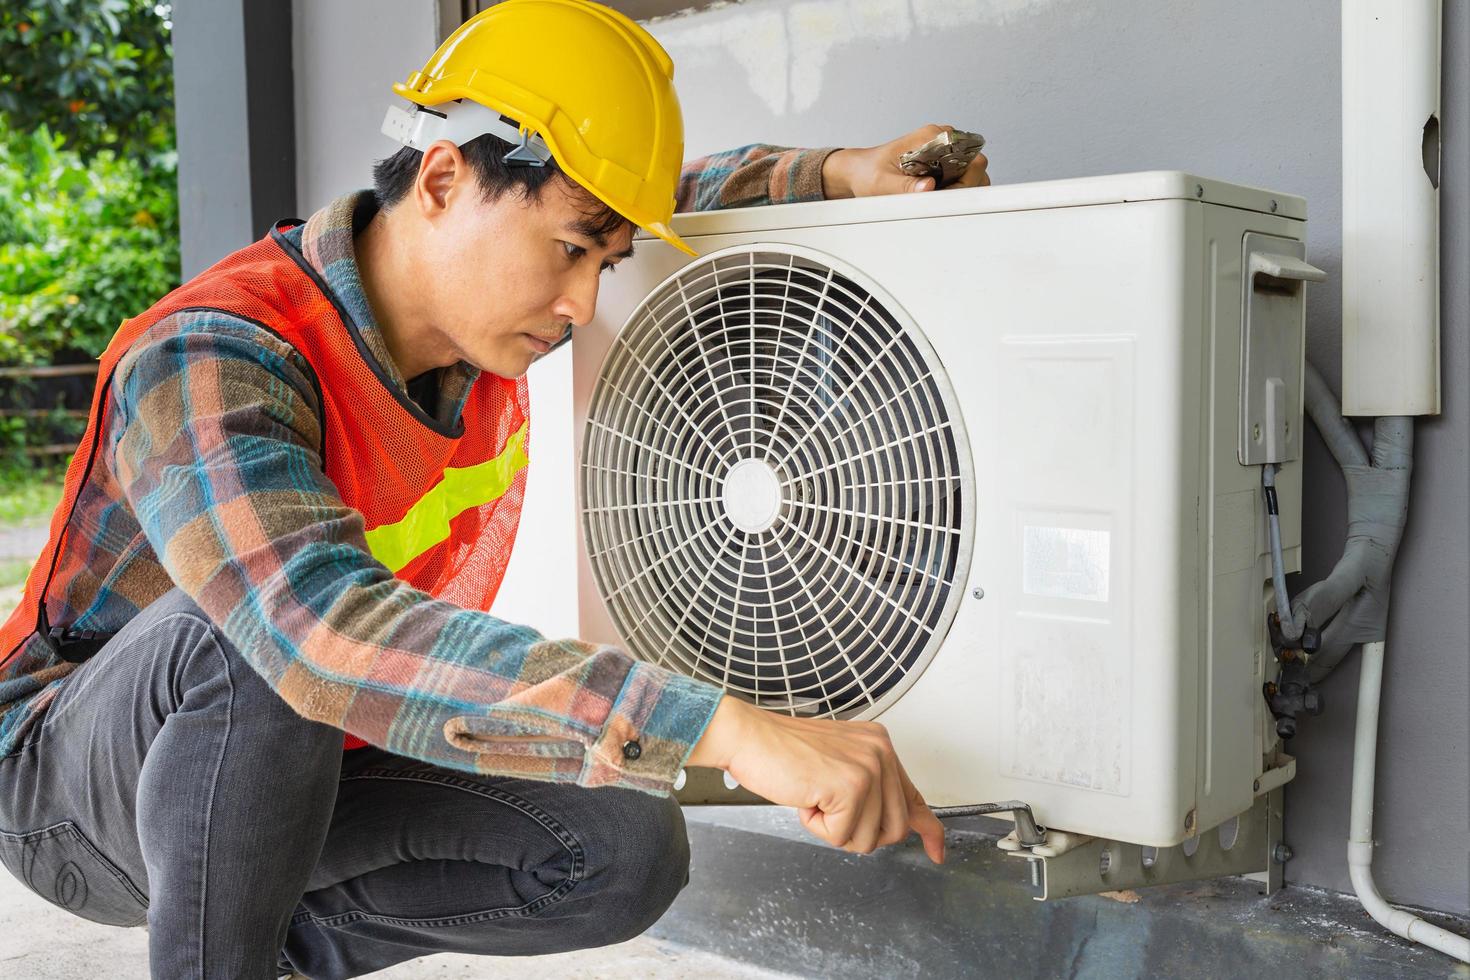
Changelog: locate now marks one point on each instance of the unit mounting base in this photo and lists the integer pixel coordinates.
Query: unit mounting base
(1090, 865)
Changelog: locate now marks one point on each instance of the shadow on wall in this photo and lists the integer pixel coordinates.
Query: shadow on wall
(783, 48)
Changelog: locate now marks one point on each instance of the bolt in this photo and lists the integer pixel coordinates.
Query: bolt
(1035, 871)
(978, 593)
(1199, 190)
(1274, 206)
(1256, 786)
(1256, 432)
(1281, 853)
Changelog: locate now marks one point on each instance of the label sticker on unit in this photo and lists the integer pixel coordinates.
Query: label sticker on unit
(1065, 562)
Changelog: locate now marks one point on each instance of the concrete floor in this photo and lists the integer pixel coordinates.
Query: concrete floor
(40, 942)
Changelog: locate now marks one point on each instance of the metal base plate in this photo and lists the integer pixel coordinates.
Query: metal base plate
(1094, 866)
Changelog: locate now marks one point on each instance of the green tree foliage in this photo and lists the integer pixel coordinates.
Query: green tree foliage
(88, 194)
(83, 246)
(97, 73)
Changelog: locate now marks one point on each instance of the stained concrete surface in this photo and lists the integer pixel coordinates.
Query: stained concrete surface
(762, 890)
(40, 942)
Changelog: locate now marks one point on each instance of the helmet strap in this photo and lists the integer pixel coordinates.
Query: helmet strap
(459, 122)
(525, 154)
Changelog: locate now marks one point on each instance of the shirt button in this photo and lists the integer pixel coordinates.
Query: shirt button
(632, 750)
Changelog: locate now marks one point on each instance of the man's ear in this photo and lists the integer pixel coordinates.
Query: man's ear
(443, 167)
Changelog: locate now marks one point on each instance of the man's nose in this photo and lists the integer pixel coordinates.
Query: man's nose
(579, 302)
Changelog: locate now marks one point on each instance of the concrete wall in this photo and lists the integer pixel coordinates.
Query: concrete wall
(347, 55)
(234, 107)
(1246, 91)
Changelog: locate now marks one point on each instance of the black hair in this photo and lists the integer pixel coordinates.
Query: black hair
(394, 177)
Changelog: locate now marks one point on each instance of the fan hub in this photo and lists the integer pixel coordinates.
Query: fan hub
(752, 495)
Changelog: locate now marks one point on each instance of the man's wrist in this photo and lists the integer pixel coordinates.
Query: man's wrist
(716, 747)
(835, 182)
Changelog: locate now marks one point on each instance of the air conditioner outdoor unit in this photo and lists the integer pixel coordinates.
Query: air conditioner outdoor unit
(981, 464)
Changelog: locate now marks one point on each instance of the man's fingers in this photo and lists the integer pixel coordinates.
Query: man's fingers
(977, 174)
(899, 182)
(820, 826)
(870, 823)
(922, 819)
(927, 826)
(895, 803)
(837, 821)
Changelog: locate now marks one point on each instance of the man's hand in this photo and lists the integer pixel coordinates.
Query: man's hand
(874, 169)
(843, 776)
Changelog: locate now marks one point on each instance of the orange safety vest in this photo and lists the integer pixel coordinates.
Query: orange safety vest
(441, 506)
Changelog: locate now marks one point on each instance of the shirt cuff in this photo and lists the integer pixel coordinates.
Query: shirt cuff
(801, 179)
(654, 724)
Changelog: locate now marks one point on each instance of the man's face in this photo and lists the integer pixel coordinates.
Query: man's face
(512, 273)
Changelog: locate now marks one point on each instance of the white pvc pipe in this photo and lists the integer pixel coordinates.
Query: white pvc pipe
(1390, 207)
(1360, 834)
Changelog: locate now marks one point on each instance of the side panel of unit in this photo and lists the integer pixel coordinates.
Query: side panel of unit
(535, 588)
(1235, 727)
(1062, 685)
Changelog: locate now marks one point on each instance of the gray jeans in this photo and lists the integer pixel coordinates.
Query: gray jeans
(170, 784)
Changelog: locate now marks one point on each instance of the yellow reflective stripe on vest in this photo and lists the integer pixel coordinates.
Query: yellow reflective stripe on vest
(427, 521)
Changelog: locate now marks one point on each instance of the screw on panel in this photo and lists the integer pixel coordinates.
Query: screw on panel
(1199, 190)
(1256, 432)
(1281, 853)
(1274, 206)
(1256, 786)
(978, 593)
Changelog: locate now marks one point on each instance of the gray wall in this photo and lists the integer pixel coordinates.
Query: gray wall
(233, 99)
(1245, 91)
(344, 84)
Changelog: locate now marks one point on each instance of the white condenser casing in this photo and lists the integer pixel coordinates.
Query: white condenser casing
(1051, 582)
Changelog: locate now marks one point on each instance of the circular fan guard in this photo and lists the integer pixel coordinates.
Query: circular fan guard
(776, 484)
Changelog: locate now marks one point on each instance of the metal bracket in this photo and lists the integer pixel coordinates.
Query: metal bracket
(701, 786)
(1088, 866)
(1027, 833)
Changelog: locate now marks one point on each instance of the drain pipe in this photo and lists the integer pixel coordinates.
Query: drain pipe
(1360, 835)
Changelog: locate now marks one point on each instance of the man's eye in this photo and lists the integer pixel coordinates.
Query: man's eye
(609, 267)
(574, 252)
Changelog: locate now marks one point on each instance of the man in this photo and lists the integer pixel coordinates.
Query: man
(295, 500)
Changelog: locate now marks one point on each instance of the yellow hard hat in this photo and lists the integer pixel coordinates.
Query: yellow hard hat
(589, 82)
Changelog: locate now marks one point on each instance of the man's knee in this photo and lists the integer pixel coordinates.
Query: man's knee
(638, 859)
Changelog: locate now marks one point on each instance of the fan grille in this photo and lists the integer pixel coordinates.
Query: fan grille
(776, 485)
